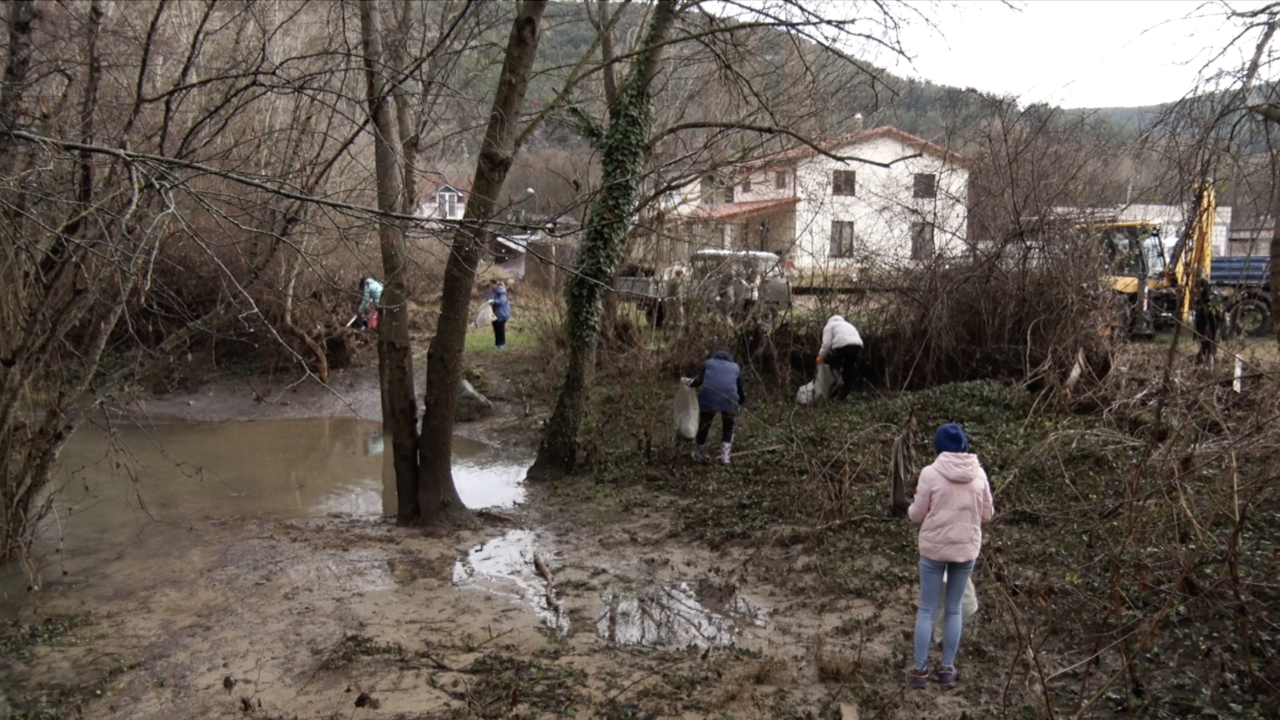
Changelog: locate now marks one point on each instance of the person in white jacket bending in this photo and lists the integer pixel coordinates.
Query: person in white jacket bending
(841, 344)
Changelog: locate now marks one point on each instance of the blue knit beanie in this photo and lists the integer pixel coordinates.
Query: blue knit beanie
(950, 438)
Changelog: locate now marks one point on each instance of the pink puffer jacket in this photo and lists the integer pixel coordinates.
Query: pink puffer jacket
(953, 499)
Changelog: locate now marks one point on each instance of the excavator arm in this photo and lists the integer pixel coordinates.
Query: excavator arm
(1192, 255)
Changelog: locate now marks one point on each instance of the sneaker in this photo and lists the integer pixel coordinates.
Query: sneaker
(947, 677)
(697, 453)
(726, 449)
(920, 679)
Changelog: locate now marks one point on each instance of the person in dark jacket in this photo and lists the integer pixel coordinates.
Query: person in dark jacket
(719, 391)
(1209, 320)
(497, 299)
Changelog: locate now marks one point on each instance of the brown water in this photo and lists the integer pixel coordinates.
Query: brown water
(141, 486)
(131, 504)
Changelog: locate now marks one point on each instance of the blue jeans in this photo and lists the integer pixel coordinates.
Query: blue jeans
(931, 572)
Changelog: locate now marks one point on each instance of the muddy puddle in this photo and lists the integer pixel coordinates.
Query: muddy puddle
(506, 567)
(143, 485)
(678, 613)
(681, 615)
(130, 502)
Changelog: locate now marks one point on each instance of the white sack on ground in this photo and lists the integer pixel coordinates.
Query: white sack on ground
(817, 389)
(968, 606)
(804, 396)
(685, 411)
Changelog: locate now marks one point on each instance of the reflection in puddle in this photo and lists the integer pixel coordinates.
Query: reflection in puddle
(291, 468)
(485, 479)
(151, 481)
(673, 615)
(504, 567)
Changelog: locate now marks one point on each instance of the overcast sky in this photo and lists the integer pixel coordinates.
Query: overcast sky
(1078, 53)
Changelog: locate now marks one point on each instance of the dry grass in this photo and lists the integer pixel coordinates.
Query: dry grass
(834, 664)
(740, 683)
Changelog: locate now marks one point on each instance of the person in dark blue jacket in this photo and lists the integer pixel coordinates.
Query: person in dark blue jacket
(497, 299)
(719, 391)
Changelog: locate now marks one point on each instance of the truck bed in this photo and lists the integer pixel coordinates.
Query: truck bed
(1241, 271)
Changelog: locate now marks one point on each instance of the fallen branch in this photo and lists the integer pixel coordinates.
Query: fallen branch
(756, 450)
(491, 515)
(434, 662)
(545, 572)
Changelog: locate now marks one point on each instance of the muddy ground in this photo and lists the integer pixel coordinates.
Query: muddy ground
(650, 587)
(548, 610)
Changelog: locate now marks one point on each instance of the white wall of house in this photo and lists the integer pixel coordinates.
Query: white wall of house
(765, 184)
(882, 208)
(1173, 218)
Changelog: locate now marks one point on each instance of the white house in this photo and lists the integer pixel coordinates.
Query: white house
(879, 197)
(445, 201)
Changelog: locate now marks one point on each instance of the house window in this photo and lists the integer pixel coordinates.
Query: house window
(925, 185)
(710, 189)
(841, 238)
(746, 185)
(843, 182)
(728, 193)
(922, 241)
(448, 204)
(780, 180)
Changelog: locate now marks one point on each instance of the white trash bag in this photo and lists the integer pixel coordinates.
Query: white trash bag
(817, 389)
(825, 382)
(485, 317)
(685, 410)
(968, 606)
(804, 396)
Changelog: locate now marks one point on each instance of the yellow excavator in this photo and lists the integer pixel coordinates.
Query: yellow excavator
(1158, 282)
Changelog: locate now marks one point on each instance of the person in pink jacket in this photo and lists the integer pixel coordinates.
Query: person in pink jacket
(952, 501)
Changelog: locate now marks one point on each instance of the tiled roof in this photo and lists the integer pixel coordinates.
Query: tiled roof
(433, 183)
(831, 145)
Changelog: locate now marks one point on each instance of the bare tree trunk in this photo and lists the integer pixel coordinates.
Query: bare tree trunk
(21, 14)
(395, 356)
(408, 139)
(437, 496)
(623, 151)
(1275, 259)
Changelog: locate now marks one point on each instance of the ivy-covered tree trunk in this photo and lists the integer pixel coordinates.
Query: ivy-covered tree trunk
(623, 148)
(437, 495)
(395, 356)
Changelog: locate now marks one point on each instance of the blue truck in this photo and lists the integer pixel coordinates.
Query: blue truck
(1246, 281)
